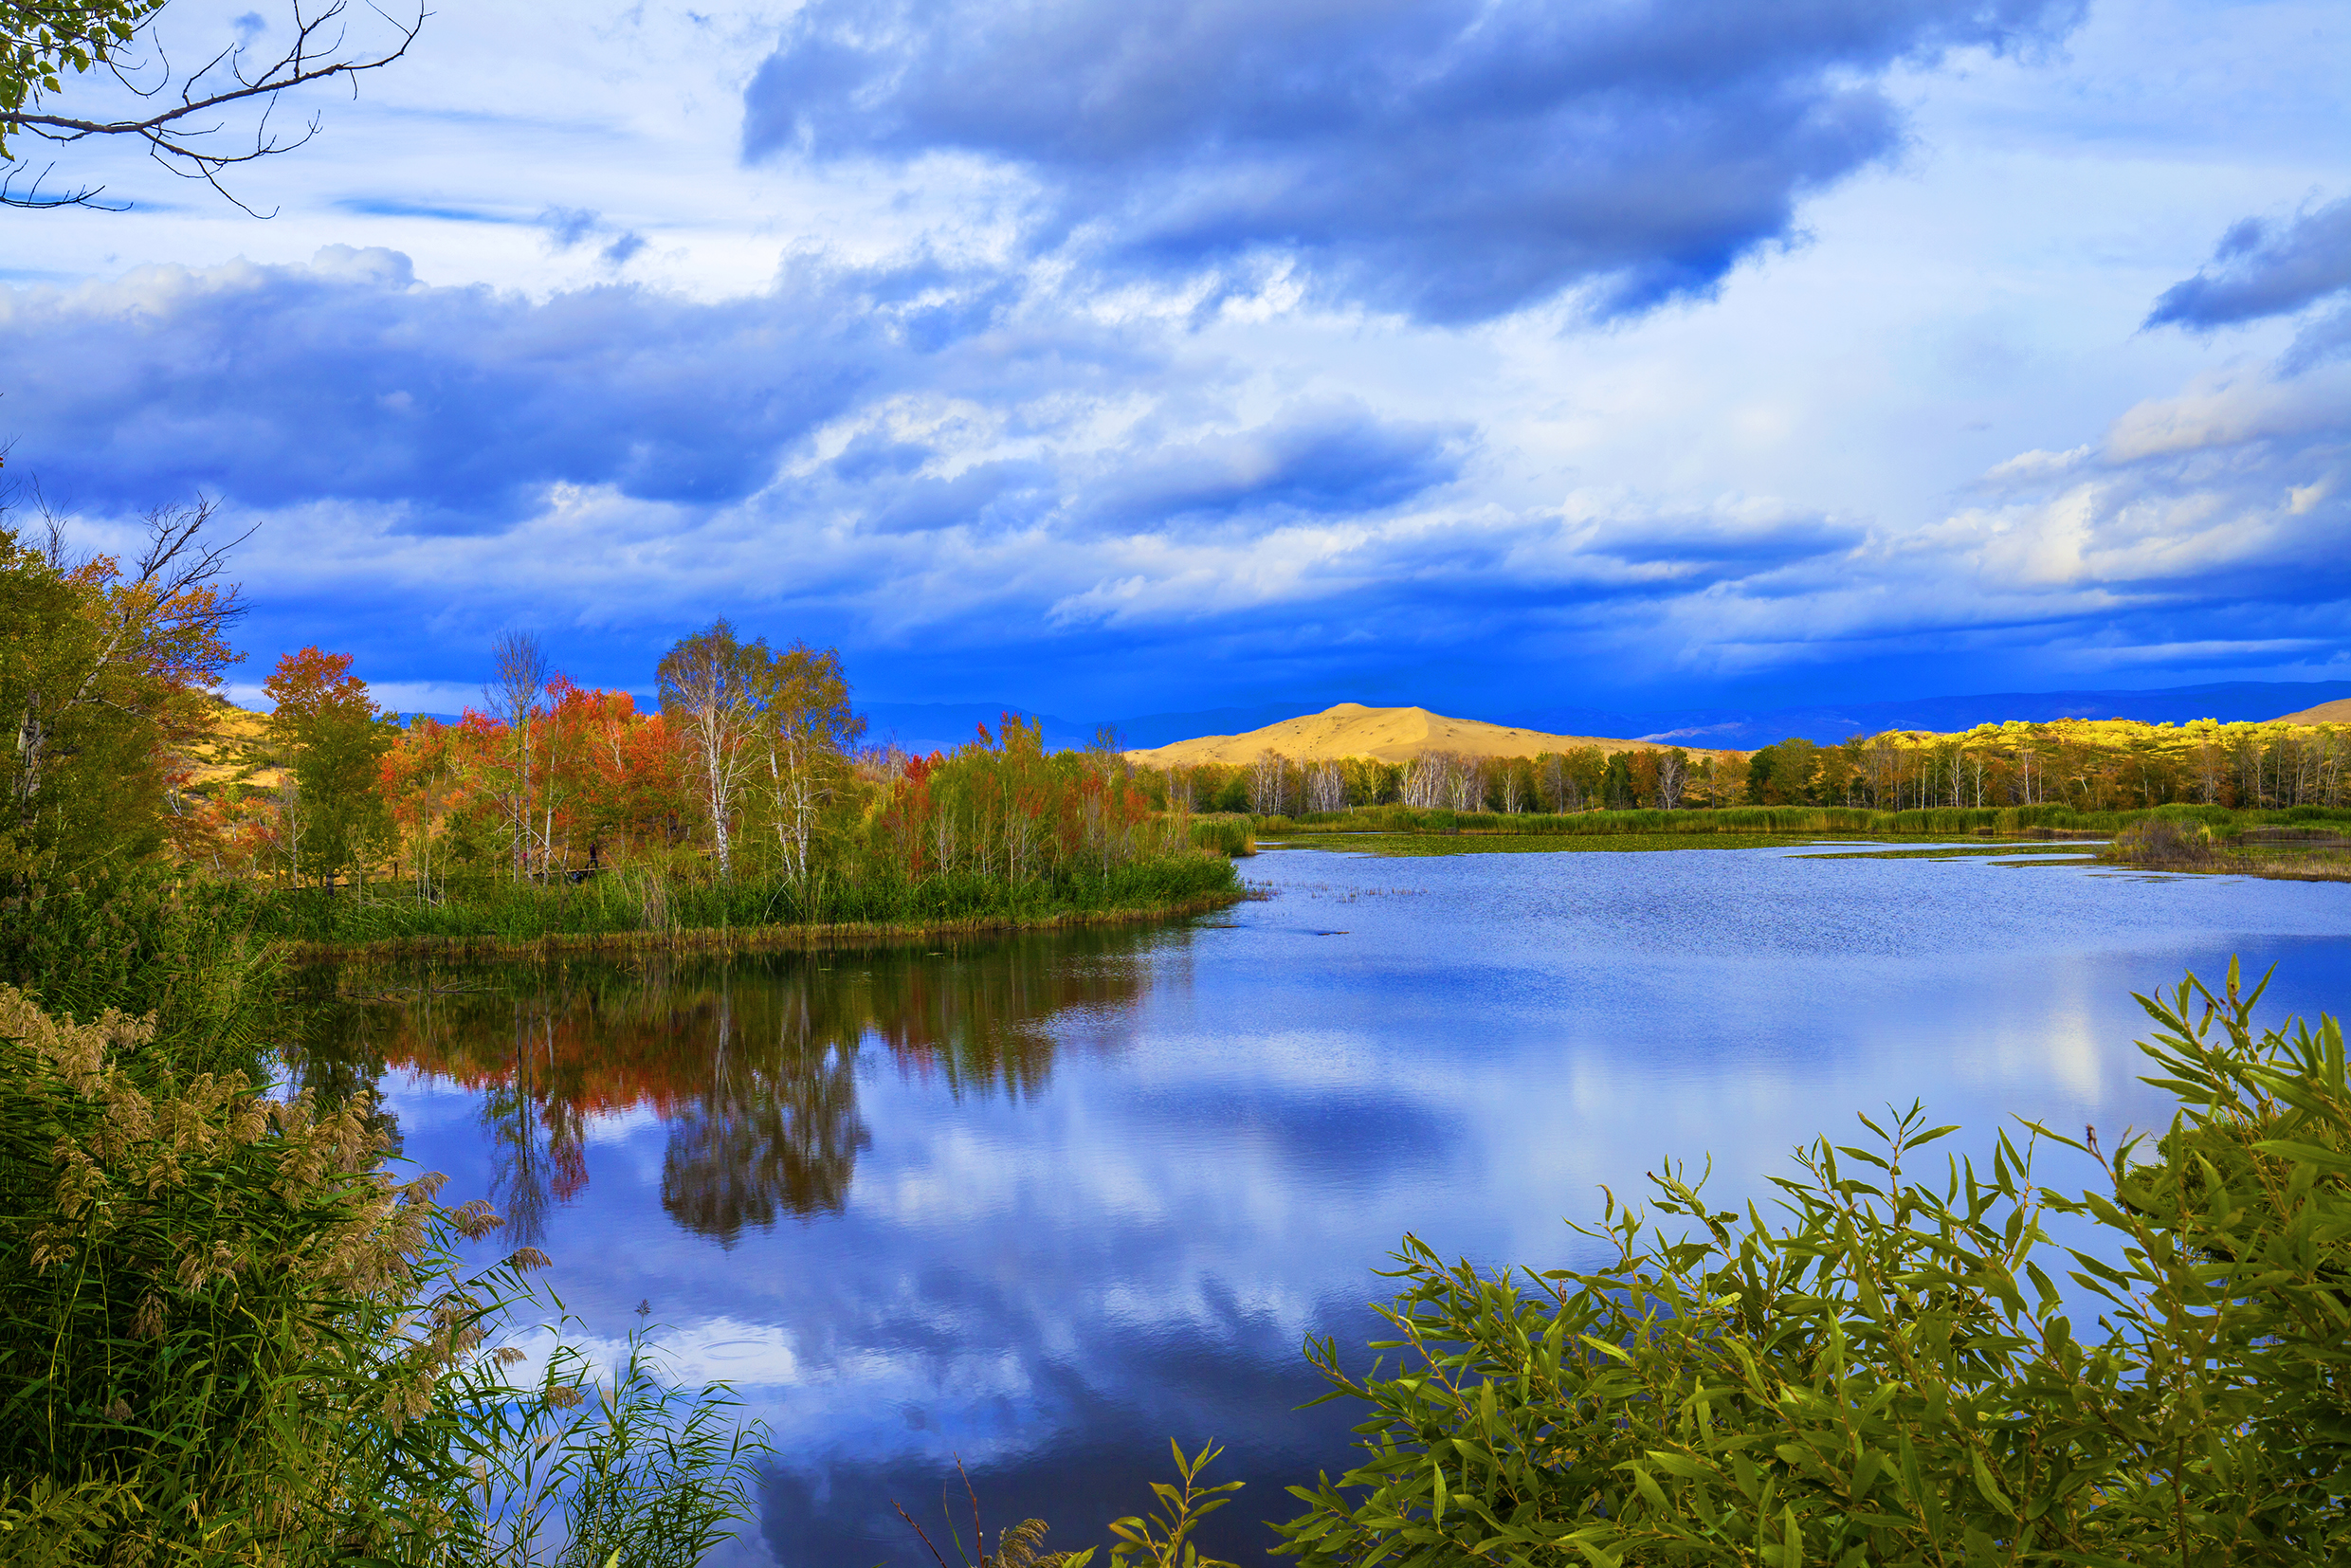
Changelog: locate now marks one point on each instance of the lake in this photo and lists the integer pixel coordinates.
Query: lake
(1043, 1203)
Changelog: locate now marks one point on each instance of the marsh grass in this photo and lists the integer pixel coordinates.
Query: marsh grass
(687, 908)
(141, 942)
(2304, 851)
(580, 1467)
(1938, 821)
(1230, 836)
(1414, 845)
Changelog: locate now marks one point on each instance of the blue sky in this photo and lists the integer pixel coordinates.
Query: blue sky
(1120, 356)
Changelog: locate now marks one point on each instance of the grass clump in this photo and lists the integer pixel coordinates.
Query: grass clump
(1230, 836)
(2307, 850)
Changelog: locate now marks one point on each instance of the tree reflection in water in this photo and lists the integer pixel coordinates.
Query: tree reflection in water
(775, 1128)
(753, 1062)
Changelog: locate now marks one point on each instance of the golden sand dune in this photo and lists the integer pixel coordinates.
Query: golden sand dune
(1392, 735)
(2325, 713)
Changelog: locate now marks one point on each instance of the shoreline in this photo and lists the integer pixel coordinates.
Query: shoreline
(2269, 871)
(752, 939)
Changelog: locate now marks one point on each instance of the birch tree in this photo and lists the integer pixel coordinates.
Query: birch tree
(1672, 773)
(1264, 785)
(708, 694)
(806, 731)
(521, 673)
(1326, 787)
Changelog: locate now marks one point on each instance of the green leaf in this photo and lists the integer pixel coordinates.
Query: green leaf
(2330, 1159)
(1990, 1488)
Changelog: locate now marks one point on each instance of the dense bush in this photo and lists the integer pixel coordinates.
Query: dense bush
(1889, 1374)
(226, 1335)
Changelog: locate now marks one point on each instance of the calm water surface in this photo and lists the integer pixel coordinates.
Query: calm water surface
(1044, 1203)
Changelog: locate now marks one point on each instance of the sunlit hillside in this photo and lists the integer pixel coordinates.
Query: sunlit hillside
(233, 753)
(2325, 713)
(1388, 734)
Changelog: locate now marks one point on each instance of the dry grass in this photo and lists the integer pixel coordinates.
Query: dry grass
(2279, 852)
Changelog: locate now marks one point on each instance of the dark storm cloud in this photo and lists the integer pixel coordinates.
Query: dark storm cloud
(1455, 159)
(1710, 547)
(2262, 268)
(1335, 461)
(348, 380)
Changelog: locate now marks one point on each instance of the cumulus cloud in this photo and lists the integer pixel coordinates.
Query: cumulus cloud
(1453, 159)
(920, 462)
(2226, 504)
(898, 457)
(871, 406)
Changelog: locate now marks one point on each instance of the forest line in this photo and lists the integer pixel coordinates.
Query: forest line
(2086, 765)
(743, 799)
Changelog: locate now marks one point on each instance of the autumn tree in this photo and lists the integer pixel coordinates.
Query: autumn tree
(332, 738)
(1783, 774)
(104, 678)
(1616, 790)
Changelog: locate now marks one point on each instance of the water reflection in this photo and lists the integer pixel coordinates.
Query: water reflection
(1054, 1201)
(751, 1065)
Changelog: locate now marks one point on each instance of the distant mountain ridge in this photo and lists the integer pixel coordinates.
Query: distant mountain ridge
(1827, 723)
(1388, 734)
(926, 726)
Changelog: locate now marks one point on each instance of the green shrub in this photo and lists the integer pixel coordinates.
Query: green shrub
(1887, 1373)
(226, 1335)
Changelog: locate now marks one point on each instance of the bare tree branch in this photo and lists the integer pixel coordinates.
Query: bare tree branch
(177, 136)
